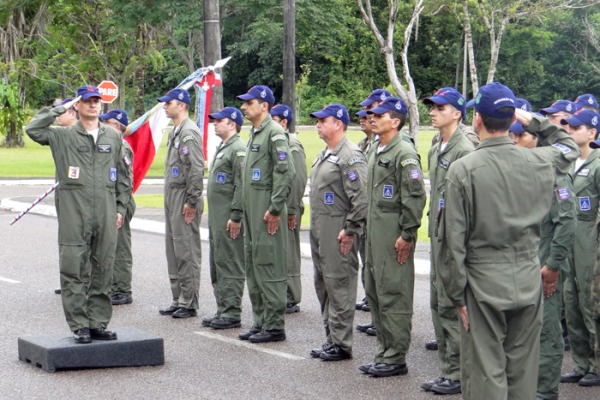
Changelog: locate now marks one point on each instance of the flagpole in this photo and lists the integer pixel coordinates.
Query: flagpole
(42, 197)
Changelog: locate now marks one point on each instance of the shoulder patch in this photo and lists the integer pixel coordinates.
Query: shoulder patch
(563, 193)
(564, 149)
(409, 161)
(187, 138)
(240, 154)
(356, 160)
(279, 137)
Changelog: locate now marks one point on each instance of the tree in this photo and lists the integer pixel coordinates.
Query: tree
(386, 46)
(212, 47)
(289, 58)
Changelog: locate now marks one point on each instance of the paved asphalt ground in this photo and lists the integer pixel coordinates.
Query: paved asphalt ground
(200, 363)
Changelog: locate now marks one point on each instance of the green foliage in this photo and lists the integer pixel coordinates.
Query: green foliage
(12, 115)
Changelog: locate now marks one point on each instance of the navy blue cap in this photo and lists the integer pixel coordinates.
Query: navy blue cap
(338, 111)
(517, 128)
(375, 96)
(494, 96)
(523, 104)
(390, 104)
(228, 112)
(259, 92)
(448, 95)
(88, 91)
(362, 114)
(560, 105)
(181, 95)
(282, 111)
(583, 117)
(62, 103)
(116, 114)
(586, 100)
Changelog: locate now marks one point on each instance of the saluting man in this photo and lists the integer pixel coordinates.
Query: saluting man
(95, 188)
(184, 172)
(224, 195)
(338, 207)
(268, 176)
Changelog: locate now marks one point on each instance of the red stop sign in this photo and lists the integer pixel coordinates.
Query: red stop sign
(109, 91)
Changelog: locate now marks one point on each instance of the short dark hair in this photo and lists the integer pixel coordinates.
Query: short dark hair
(260, 101)
(496, 124)
(400, 116)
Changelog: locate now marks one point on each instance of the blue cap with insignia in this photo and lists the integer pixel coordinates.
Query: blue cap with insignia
(583, 117)
(560, 105)
(228, 112)
(448, 95)
(88, 91)
(261, 92)
(586, 100)
(390, 104)
(177, 94)
(495, 100)
(376, 95)
(116, 114)
(282, 111)
(362, 114)
(338, 111)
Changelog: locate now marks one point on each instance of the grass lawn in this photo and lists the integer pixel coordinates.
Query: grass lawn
(34, 161)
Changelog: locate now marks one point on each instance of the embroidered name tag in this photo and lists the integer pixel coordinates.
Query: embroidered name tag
(383, 162)
(444, 163)
(255, 148)
(584, 172)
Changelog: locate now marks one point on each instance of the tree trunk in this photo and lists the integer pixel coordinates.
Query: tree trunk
(495, 51)
(289, 59)
(471, 51)
(212, 47)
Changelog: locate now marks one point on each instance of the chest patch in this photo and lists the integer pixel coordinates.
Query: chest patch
(388, 191)
(175, 172)
(443, 163)
(584, 204)
(256, 174)
(329, 198)
(441, 204)
(563, 193)
(383, 162)
(73, 172)
(333, 159)
(221, 178)
(255, 148)
(104, 148)
(113, 175)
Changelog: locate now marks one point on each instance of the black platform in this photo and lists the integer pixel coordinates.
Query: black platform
(133, 348)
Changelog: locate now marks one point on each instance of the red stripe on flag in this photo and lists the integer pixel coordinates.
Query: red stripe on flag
(144, 151)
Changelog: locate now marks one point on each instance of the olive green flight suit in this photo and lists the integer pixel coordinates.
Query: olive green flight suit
(338, 200)
(396, 198)
(365, 146)
(267, 177)
(224, 194)
(184, 172)
(496, 199)
(94, 186)
(556, 248)
(443, 312)
(123, 269)
(596, 304)
(578, 306)
(296, 206)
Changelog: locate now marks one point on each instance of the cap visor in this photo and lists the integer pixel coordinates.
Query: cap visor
(378, 110)
(245, 97)
(470, 103)
(573, 121)
(89, 96)
(216, 116)
(366, 103)
(517, 128)
(104, 117)
(320, 114)
(549, 110)
(164, 99)
(595, 144)
(436, 100)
